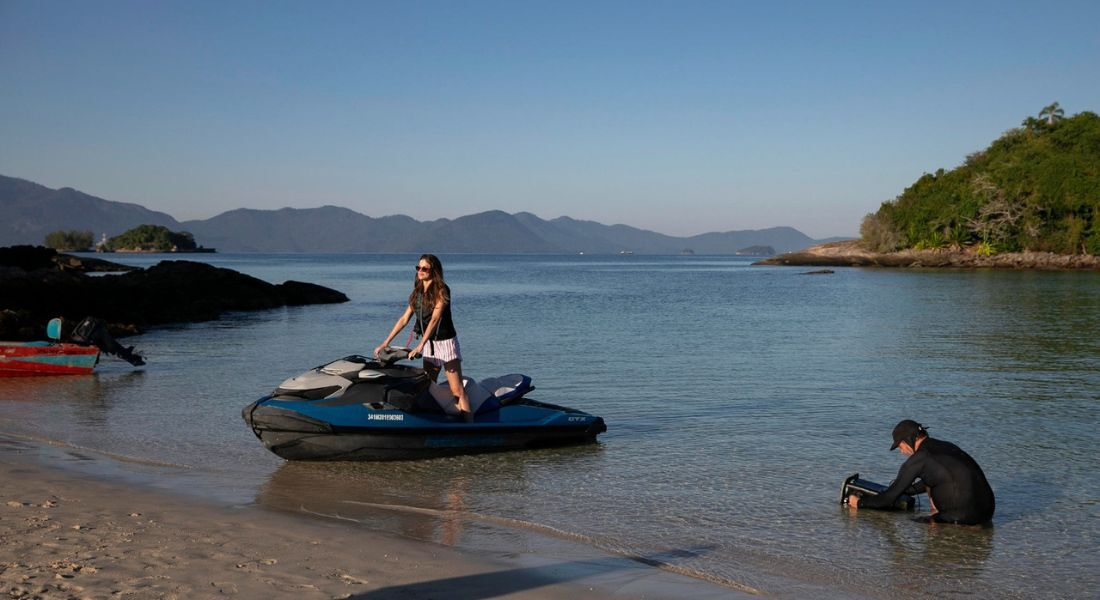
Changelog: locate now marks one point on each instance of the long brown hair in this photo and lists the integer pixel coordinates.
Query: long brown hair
(437, 289)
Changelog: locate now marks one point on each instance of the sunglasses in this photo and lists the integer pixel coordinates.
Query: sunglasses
(423, 269)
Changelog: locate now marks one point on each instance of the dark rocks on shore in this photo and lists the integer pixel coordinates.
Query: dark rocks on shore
(32, 258)
(849, 253)
(36, 286)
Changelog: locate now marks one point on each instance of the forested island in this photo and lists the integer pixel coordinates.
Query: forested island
(1029, 200)
(143, 238)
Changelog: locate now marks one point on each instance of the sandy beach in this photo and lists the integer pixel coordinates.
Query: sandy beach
(66, 535)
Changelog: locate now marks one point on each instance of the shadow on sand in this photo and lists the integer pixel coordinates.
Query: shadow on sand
(623, 574)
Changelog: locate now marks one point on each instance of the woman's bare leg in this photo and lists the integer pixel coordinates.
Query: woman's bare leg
(454, 378)
(432, 370)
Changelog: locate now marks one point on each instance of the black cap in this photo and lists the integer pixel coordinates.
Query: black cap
(907, 431)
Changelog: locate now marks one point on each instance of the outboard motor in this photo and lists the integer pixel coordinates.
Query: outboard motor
(863, 488)
(93, 332)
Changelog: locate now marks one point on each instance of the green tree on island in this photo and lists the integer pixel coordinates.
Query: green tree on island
(1052, 113)
(69, 241)
(1035, 188)
(152, 238)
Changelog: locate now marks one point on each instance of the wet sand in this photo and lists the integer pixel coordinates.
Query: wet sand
(64, 534)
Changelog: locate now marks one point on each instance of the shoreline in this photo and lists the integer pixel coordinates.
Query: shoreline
(848, 253)
(68, 534)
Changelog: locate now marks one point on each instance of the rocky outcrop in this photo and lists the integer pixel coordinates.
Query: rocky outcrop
(168, 292)
(31, 258)
(850, 254)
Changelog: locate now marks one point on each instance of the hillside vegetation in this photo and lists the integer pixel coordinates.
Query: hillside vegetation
(69, 241)
(1037, 188)
(152, 238)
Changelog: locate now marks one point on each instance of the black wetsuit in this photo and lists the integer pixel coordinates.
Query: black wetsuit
(955, 484)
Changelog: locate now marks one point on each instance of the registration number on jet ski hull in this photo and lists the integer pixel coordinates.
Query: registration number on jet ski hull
(384, 417)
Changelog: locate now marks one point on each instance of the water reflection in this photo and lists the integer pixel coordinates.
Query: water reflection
(425, 500)
(484, 500)
(957, 554)
(1046, 323)
(89, 398)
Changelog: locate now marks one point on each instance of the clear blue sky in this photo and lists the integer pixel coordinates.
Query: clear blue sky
(680, 117)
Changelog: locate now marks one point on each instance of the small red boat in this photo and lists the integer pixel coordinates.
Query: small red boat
(54, 357)
(21, 359)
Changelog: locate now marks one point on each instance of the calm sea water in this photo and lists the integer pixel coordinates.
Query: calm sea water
(737, 399)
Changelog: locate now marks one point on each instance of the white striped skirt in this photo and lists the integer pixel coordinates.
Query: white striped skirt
(440, 352)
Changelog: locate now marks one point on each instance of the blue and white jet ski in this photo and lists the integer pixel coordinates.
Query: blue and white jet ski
(360, 408)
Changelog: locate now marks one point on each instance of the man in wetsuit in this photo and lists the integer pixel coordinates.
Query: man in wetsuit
(955, 483)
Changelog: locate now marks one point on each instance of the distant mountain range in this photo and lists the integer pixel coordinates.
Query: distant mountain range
(28, 211)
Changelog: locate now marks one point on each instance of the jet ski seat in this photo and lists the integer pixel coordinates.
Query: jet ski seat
(508, 388)
(485, 396)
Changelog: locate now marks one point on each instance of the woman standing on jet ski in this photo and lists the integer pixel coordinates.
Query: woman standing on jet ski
(430, 305)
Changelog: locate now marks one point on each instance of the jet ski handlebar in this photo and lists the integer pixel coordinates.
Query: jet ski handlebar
(391, 354)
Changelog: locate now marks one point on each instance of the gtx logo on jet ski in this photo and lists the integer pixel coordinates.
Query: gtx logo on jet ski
(374, 417)
(575, 419)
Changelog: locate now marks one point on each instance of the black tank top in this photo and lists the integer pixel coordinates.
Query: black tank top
(445, 330)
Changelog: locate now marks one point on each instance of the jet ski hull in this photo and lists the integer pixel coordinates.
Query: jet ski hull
(297, 430)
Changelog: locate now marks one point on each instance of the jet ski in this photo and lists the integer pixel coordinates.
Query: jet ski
(372, 408)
